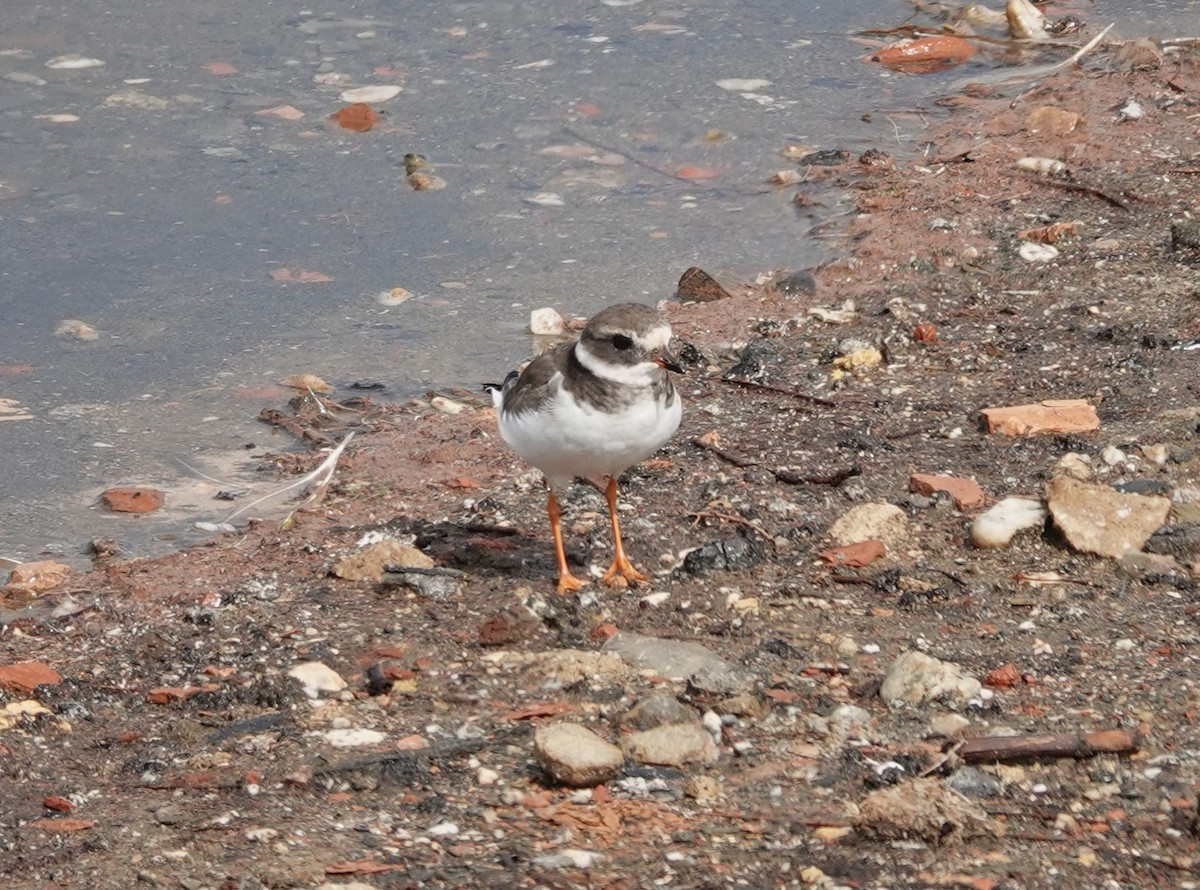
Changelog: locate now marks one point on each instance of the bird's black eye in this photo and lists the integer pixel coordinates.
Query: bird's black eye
(621, 342)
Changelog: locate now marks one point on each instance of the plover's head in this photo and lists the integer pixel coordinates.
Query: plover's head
(627, 343)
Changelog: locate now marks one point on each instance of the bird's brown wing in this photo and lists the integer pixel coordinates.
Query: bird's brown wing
(538, 383)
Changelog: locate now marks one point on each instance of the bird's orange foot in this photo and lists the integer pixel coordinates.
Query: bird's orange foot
(568, 583)
(621, 574)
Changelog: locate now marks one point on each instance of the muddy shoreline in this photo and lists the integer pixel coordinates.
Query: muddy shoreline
(175, 749)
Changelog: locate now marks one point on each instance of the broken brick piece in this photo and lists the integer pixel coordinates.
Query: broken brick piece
(26, 676)
(966, 493)
(134, 500)
(1049, 416)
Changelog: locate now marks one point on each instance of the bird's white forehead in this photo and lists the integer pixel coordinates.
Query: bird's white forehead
(657, 337)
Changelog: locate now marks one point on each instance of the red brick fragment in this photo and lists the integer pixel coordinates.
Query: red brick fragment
(966, 493)
(26, 676)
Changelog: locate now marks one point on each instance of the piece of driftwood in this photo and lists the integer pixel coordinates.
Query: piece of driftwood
(1067, 744)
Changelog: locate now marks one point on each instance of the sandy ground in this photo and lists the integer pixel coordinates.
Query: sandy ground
(175, 751)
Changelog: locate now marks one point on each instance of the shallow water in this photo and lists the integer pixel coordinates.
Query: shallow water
(161, 226)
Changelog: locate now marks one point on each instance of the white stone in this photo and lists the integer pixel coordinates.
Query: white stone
(999, 524)
(1113, 456)
(316, 678)
(353, 738)
(546, 322)
(743, 84)
(915, 677)
(1033, 252)
(379, 93)
(73, 61)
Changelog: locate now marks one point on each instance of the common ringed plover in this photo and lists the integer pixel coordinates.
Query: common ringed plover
(592, 409)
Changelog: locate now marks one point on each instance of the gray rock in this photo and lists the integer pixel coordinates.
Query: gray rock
(727, 555)
(679, 660)
(1179, 541)
(673, 745)
(915, 678)
(973, 783)
(576, 756)
(1096, 519)
(1139, 565)
(797, 284)
(660, 709)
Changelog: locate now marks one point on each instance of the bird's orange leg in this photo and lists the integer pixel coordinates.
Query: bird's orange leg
(621, 566)
(567, 583)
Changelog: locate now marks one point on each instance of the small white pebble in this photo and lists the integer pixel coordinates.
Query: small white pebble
(1039, 788)
(1124, 644)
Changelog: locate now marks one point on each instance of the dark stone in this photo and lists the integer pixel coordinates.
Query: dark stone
(1180, 541)
(830, 157)
(1185, 234)
(1144, 486)
(727, 555)
(753, 361)
(796, 284)
(378, 682)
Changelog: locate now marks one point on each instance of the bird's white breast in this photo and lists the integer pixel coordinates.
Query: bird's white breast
(567, 439)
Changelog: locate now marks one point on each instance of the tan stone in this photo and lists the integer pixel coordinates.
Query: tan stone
(369, 564)
(1052, 120)
(37, 577)
(1096, 519)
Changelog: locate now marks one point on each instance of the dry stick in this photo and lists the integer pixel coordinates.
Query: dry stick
(782, 390)
(723, 454)
(1070, 744)
(1073, 185)
(725, 517)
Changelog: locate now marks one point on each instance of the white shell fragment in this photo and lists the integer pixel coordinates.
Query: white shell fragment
(1025, 21)
(1131, 111)
(393, 297)
(73, 327)
(546, 322)
(1042, 165)
(546, 199)
(743, 84)
(380, 93)
(73, 61)
(1032, 252)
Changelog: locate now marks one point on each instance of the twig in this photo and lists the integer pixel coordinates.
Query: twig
(322, 474)
(834, 479)
(782, 390)
(393, 759)
(710, 446)
(1071, 744)
(726, 517)
(1074, 185)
